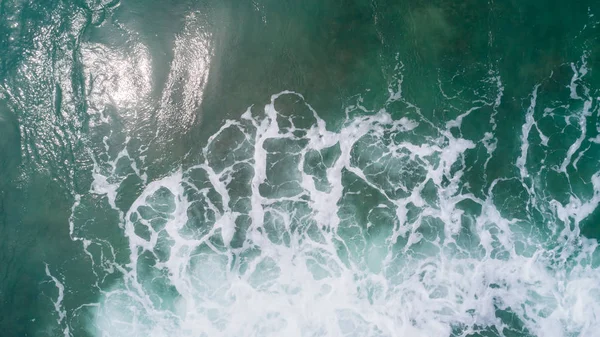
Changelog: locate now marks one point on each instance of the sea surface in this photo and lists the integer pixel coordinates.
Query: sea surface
(306, 168)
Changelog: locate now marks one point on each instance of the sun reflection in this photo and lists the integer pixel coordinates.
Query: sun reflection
(189, 72)
(121, 78)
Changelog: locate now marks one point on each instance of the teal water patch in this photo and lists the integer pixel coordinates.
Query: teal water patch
(366, 168)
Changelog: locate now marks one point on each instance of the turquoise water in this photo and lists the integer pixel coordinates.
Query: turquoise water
(299, 168)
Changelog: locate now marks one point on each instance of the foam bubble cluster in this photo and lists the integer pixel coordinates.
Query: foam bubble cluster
(289, 228)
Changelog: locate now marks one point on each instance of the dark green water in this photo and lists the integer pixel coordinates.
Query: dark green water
(299, 168)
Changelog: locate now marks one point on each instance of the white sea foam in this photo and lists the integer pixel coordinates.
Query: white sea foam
(306, 263)
(58, 305)
(287, 228)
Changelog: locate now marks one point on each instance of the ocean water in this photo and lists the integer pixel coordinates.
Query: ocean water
(266, 168)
